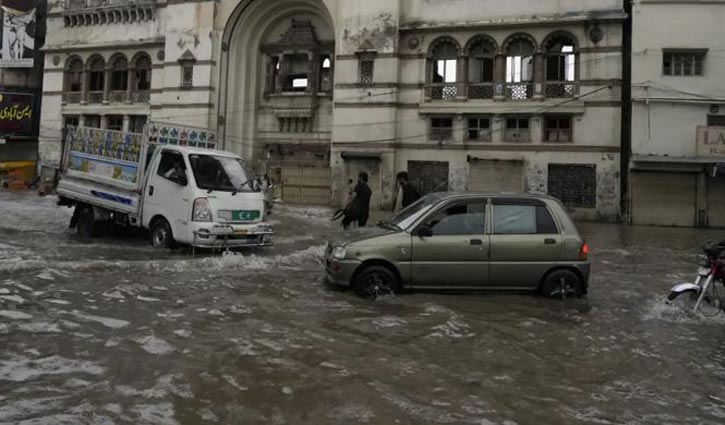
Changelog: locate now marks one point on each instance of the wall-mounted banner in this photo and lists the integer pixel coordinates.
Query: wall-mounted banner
(16, 114)
(18, 38)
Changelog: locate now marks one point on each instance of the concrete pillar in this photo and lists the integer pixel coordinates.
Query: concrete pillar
(81, 120)
(702, 199)
(126, 123)
(462, 86)
(539, 75)
(104, 122)
(499, 76)
(130, 84)
(107, 86)
(85, 85)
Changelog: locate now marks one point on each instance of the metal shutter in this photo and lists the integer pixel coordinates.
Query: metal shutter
(716, 202)
(664, 199)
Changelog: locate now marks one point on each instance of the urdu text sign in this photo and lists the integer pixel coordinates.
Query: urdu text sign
(16, 114)
(711, 141)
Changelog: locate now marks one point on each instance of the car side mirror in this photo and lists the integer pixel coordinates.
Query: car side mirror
(424, 232)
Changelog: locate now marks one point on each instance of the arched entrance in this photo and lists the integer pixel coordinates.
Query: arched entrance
(276, 86)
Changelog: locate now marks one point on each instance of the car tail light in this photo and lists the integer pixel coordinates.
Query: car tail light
(201, 211)
(584, 251)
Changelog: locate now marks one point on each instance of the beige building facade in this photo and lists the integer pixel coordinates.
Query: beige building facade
(462, 94)
(678, 114)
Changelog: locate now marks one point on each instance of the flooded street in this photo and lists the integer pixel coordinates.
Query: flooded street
(112, 331)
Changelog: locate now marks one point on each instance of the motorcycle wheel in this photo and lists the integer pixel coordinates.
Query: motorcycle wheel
(709, 306)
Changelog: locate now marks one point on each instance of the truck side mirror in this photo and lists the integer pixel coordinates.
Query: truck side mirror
(179, 178)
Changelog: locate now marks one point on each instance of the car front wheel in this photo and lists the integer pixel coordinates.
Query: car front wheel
(161, 236)
(374, 281)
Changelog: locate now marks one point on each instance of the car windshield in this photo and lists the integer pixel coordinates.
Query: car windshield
(222, 173)
(405, 218)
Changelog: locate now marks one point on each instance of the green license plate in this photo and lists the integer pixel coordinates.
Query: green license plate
(245, 215)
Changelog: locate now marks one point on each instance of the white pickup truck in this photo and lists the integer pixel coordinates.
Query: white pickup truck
(170, 180)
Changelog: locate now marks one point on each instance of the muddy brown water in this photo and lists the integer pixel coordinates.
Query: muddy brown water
(113, 332)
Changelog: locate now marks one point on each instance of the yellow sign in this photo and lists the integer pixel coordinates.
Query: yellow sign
(711, 141)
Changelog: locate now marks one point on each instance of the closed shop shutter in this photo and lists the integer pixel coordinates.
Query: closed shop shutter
(496, 176)
(664, 199)
(305, 184)
(428, 176)
(716, 202)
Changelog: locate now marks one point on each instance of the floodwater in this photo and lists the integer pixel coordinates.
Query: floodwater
(114, 332)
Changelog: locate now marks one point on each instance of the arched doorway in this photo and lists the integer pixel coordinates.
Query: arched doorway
(276, 87)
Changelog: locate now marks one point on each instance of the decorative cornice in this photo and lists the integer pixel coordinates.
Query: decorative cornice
(519, 147)
(111, 45)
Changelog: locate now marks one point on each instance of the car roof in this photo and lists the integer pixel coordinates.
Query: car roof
(452, 195)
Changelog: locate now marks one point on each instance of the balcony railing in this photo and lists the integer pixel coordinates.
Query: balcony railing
(443, 91)
(561, 89)
(519, 91)
(95, 97)
(118, 96)
(72, 97)
(79, 13)
(143, 96)
(480, 91)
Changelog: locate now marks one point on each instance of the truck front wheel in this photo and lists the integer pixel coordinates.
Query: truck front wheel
(161, 236)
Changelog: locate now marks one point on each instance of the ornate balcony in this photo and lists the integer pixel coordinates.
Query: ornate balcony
(442, 91)
(519, 91)
(561, 89)
(95, 97)
(143, 96)
(72, 97)
(105, 12)
(118, 96)
(480, 91)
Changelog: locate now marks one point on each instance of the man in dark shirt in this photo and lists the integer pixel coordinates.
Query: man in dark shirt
(359, 209)
(409, 193)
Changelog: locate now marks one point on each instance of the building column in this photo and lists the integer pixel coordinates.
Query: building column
(462, 71)
(126, 123)
(81, 120)
(282, 74)
(85, 85)
(107, 86)
(539, 75)
(130, 84)
(104, 122)
(313, 81)
(499, 76)
(428, 78)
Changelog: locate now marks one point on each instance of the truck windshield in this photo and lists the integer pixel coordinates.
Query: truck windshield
(222, 173)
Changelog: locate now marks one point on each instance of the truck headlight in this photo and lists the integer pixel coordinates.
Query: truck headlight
(339, 253)
(201, 211)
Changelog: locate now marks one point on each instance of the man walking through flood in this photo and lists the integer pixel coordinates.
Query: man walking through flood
(359, 210)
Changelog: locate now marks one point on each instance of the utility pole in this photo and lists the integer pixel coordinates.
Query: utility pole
(626, 119)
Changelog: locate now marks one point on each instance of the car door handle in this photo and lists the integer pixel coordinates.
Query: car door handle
(151, 191)
(550, 241)
(476, 242)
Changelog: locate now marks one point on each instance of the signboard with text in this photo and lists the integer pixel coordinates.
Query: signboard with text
(16, 114)
(711, 141)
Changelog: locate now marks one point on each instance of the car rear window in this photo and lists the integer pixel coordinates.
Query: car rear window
(522, 220)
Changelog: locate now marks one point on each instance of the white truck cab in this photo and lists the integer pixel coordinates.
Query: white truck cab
(192, 195)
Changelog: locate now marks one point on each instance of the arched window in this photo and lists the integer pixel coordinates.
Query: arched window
(143, 73)
(74, 76)
(119, 73)
(561, 65)
(444, 69)
(481, 52)
(520, 68)
(96, 79)
(325, 73)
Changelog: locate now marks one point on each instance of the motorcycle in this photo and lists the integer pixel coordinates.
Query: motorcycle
(703, 292)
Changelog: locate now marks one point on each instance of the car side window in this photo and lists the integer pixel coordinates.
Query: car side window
(459, 219)
(523, 220)
(170, 163)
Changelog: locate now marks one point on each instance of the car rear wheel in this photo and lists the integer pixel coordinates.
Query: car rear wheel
(161, 236)
(562, 284)
(374, 281)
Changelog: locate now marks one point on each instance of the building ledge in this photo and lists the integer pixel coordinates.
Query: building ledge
(678, 159)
